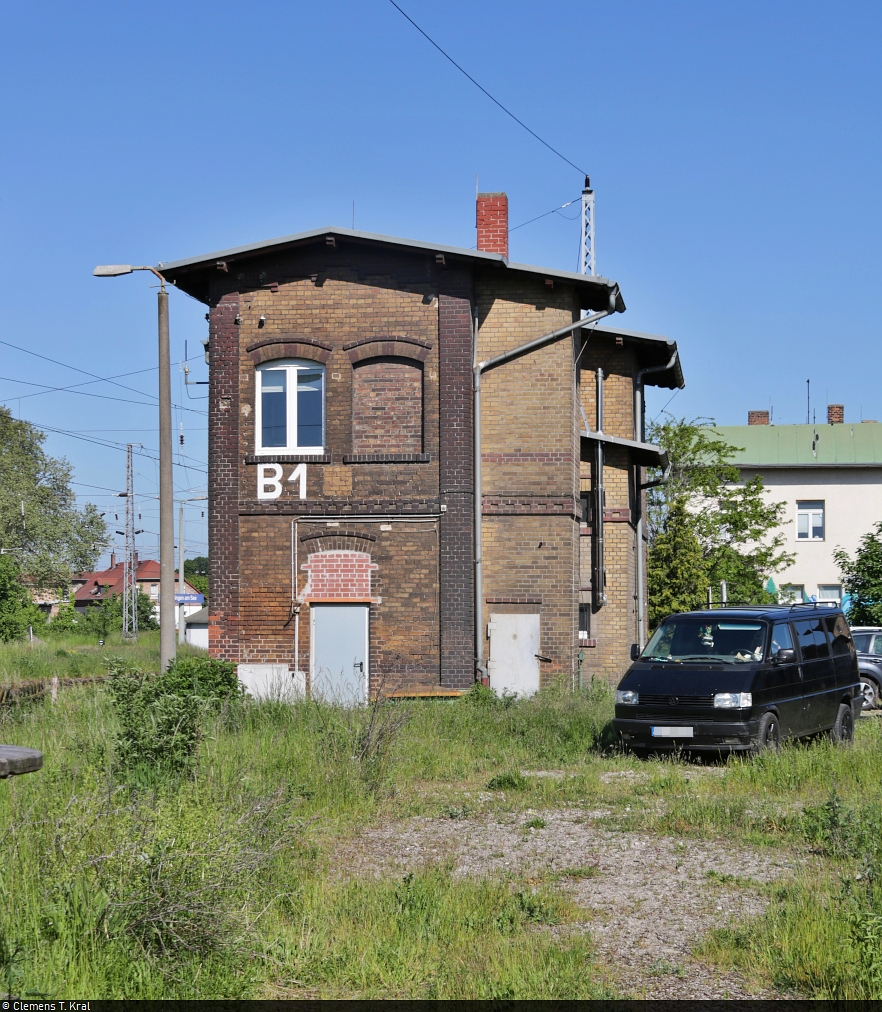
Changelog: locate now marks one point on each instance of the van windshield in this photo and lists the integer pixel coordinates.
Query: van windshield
(697, 641)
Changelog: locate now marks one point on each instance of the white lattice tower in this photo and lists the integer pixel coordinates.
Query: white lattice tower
(587, 253)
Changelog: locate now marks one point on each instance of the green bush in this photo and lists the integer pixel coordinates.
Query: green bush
(201, 676)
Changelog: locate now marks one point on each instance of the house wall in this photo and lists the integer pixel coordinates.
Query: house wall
(613, 627)
(853, 504)
(375, 323)
(530, 465)
(401, 498)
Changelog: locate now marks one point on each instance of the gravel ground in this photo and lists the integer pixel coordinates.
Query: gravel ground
(649, 896)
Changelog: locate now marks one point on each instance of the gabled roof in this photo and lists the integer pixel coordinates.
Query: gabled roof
(840, 445)
(191, 274)
(652, 351)
(91, 585)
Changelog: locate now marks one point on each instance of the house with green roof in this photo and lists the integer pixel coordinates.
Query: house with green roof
(829, 476)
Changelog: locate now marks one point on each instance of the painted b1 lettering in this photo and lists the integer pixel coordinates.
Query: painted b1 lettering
(269, 480)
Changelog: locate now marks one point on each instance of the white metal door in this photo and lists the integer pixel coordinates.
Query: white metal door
(338, 653)
(514, 650)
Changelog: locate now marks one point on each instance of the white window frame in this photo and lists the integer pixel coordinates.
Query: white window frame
(830, 586)
(809, 508)
(292, 367)
(792, 593)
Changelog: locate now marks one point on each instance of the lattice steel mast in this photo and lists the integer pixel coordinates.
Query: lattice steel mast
(587, 257)
(130, 570)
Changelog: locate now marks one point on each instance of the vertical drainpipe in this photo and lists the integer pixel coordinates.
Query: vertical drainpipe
(476, 472)
(640, 437)
(598, 581)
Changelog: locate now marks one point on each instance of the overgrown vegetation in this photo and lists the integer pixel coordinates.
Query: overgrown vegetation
(210, 868)
(706, 525)
(862, 578)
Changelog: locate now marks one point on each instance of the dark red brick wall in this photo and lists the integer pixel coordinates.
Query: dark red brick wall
(387, 406)
(456, 477)
(223, 477)
(757, 417)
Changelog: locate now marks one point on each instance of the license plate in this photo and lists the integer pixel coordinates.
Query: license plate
(672, 732)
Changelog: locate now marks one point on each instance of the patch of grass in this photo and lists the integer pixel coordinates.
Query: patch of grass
(217, 884)
(535, 823)
(576, 874)
(663, 968)
(509, 781)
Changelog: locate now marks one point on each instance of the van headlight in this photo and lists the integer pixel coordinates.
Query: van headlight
(733, 700)
(626, 697)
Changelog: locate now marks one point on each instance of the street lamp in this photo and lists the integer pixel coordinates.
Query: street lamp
(166, 489)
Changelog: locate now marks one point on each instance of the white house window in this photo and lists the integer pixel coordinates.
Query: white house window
(290, 412)
(792, 593)
(830, 592)
(810, 521)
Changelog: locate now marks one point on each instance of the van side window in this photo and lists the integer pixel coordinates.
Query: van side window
(812, 639)
(840, 634)
(781, 638)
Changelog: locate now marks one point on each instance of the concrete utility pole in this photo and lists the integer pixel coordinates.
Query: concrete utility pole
(166, 488)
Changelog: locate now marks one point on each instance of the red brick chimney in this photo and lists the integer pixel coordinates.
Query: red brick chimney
(112, 560)
(492, 222)
(757, 417)
(835, 414)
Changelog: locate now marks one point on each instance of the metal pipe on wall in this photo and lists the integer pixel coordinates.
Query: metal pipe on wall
(640, 437)
(598, 575)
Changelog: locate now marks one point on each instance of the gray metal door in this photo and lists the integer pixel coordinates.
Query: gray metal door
(338, 653)
(514, 654)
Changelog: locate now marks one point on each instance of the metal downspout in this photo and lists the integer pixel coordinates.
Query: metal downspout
(640, 436)
(478, 369)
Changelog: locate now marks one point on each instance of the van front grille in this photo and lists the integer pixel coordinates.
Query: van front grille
(654, 699)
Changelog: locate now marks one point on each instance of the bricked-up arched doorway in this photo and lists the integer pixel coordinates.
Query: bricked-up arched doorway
(338, 593)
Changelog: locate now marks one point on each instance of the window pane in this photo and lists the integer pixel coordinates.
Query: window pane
(862, 642)
(839, 632)
(309, 409)
(818, 524)
(802, 525)
(812, 639)
(829, 592)
(781, 638)
(273, 407)
(877, 645)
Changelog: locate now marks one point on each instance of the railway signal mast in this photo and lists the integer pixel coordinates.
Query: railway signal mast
(587, 258)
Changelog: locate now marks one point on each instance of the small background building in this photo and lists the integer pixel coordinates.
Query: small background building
(830, 477)
(90, 589)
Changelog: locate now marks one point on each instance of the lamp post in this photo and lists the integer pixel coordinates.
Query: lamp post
(166, 488)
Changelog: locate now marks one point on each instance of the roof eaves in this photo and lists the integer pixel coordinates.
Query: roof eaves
(297, 238)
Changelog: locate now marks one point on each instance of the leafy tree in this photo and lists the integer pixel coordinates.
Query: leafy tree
(862, 578)
(706, 525)
(17, 611)
(677, 570)
(52, 537)
(196, 573)
(108, 616)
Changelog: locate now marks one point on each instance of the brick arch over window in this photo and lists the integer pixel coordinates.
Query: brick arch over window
(387, 405)
(399, 347)
(289, 346)
(338, 575)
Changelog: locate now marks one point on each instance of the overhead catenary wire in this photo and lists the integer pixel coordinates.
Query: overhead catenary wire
(496, 101)
(84, 393)
(85, 372)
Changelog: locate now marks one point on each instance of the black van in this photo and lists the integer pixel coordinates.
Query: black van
(738, 679)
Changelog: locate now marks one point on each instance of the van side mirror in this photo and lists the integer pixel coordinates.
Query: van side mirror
(635, 651)
(785, 656)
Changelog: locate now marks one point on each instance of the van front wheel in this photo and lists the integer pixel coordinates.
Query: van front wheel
(768, 738)
(842, 731)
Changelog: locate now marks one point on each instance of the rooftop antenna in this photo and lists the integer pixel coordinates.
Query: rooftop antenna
(808, 402)
(587, 258)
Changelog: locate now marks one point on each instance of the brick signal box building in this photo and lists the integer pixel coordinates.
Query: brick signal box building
(342, 463)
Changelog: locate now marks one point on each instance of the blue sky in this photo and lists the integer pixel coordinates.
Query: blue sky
(734, 150)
